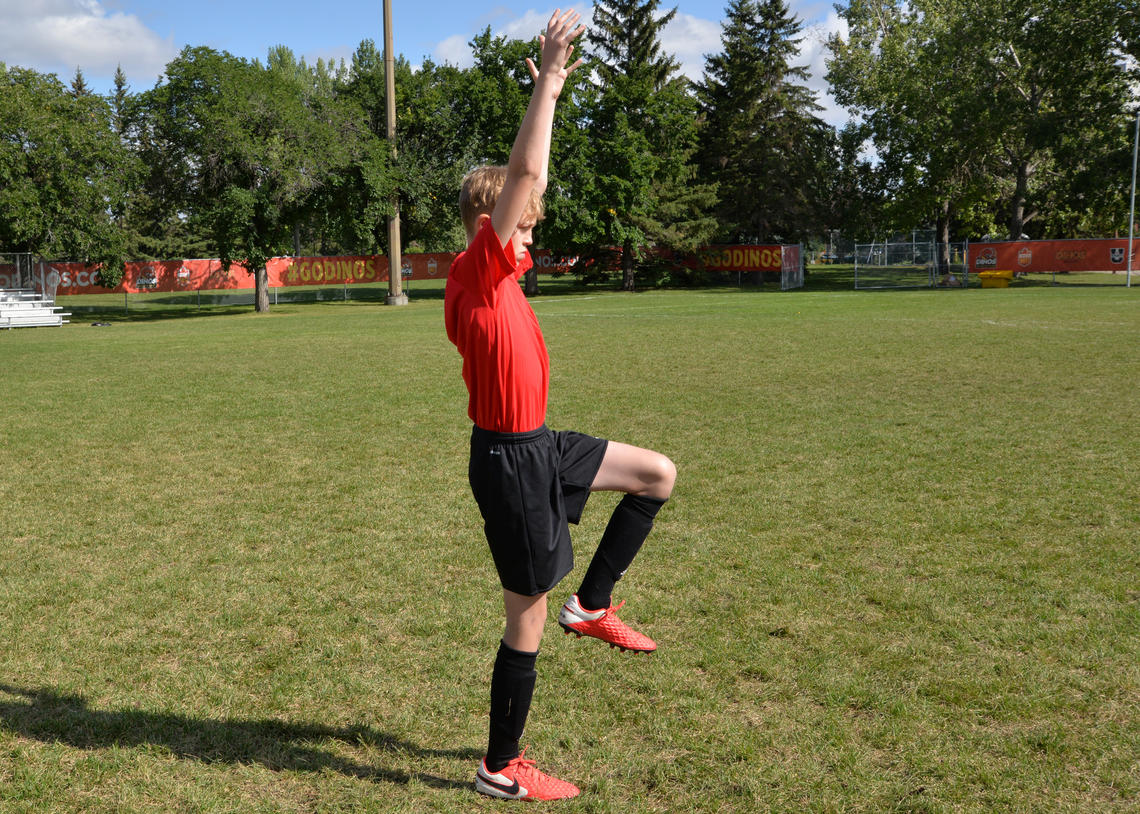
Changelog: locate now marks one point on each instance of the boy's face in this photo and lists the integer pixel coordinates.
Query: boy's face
(522, 237)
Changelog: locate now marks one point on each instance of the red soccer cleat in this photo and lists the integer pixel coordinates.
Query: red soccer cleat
(604, 625)
(520, 780)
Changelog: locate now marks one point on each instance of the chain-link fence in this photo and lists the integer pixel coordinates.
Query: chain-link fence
(915, 264)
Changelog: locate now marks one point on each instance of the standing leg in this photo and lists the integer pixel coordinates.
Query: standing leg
(513, 677)
(504, 772)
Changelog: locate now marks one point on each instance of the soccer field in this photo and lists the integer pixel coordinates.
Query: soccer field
(243, 571)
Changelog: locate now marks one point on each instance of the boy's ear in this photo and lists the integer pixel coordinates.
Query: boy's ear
(480, 220)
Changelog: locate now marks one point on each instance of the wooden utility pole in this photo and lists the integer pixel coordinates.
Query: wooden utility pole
(1132, 205)
(396, 295)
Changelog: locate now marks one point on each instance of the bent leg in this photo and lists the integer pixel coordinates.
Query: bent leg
(635, 471)
(647, 478)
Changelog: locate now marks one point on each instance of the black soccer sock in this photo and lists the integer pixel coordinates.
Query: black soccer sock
(629, 525)
(512, 687)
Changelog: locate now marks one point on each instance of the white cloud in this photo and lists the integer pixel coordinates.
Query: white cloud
(455, 50)
(58, 36)
(530, 24)
(690, 39)
(814, 55)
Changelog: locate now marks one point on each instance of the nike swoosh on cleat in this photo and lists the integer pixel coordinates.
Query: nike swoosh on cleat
(512, 789)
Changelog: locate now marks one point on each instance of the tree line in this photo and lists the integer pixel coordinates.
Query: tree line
(986, 116)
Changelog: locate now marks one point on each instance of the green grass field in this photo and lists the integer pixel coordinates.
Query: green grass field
(243, 571)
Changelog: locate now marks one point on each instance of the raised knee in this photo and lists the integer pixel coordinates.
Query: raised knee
(664, 474)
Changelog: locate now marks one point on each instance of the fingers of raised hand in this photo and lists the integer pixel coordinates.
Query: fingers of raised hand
(561, 28)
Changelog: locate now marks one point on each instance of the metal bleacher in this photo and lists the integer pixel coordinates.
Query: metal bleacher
(24, 308)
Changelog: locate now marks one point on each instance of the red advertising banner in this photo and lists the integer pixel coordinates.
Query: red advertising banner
(1110, 254)
(68, 278)
(290, 271)
(207, 275)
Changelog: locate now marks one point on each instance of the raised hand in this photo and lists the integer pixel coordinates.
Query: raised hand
(557, 47)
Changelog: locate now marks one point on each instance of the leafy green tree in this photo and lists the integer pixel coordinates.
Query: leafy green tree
(904, 71)
(346, 212)
(154, 221)
(432, 152)
(498, 91)
(435, 146)
(244, 151)
(1061, 93)
(357, 201)
(60, 166)
(978, 106)
(857, 201)
(763, 144)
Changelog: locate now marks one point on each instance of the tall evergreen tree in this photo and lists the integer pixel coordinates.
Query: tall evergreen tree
(155, 220)
(119, 97)
(79, 86)
(763, 144)
(642, 126)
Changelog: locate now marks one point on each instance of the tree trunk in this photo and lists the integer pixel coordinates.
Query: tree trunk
(1017, 205)
(261, 290)
(943, 238)
(627, 279)
(530, 282)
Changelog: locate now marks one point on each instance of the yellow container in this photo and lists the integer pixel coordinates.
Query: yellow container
(998, 278)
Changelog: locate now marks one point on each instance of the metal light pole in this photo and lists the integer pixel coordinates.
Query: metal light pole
(1132, 207)
(396, 295)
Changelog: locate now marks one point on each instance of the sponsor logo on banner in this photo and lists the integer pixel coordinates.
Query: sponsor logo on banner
(742, 258)
(1071, 255)
(986, 258)
(547, 261)
(1116, 254)
(1025, 257)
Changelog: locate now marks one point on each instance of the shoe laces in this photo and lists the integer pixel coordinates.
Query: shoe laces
(613, 609)
(523, 765)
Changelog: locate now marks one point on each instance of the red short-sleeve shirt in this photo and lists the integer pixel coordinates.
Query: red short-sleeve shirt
(505, 363)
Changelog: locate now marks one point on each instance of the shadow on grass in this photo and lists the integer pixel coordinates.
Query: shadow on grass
(90, 314)
(52, 717)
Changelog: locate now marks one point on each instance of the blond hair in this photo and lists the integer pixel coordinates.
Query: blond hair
(479, 192)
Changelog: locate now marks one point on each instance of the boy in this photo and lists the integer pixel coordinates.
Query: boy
(529, 481)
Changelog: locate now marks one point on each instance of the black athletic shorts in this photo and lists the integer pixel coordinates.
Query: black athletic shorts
(529, 485)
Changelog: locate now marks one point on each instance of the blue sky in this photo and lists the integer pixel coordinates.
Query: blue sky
(143, 35)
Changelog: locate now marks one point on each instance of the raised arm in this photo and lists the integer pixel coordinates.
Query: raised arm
(529, 163)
